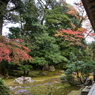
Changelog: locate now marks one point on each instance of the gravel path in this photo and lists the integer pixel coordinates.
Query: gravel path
(23, 89)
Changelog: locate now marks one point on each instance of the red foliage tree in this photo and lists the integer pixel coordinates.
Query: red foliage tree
(77, 33)
(13, 50)
(72, 36)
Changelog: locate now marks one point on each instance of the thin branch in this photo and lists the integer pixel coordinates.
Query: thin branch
(89, 32)
(40, 3)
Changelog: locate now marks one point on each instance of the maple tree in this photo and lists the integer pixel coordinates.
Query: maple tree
(76, 33)
(72, 36)
(13, 50)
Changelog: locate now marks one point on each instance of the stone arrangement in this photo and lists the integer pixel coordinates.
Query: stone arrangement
(48, 68)
(23, 80)
(51, 68)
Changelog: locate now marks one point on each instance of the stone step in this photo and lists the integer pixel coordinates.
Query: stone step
(74, 92)
(79, 91)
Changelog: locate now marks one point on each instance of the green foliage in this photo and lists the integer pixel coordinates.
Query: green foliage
(71, 80)
(56, 19)
(44, 50)
(25, 67)
(63, 77)
(56, 57)
(15, 32)
(87, 68)
(50, 91)
(45, 47)
(39, 61)
(4, 89)
(74, 65)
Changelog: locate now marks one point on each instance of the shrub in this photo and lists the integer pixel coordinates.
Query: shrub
(4, 89)
(63, 77)
(71, 80)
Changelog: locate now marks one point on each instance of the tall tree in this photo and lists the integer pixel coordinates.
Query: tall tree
(7, 9)
(13, 51)
(43, 5)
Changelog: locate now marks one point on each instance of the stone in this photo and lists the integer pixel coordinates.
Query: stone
(46, 67)
(42, 73)
(14, 88)
(62, 71)
(74, 73)
(88, 82)
(51, 68)
(85, 91)
(73, 92)
(23, 80)
(20, 91)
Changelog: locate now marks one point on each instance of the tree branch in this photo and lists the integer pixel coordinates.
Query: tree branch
(41, 3)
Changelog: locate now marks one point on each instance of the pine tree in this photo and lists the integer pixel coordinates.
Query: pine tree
(4, 89)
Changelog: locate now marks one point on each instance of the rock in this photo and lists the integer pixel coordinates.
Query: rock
(22, 80)
(88, 82)
(74, 73)
(61, 71)
(46, 67)
(57, 74)
(51, 68)
(85, 91)
(14, 88)
(42, 73)
(20, 91)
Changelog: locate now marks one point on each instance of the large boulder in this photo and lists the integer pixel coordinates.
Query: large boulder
(23, 80)
(88, 82)
(51, 68)
(46, 67)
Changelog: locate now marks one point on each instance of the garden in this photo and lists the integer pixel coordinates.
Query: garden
(47, 53)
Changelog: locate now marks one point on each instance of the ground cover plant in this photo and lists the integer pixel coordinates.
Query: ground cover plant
(42, 89)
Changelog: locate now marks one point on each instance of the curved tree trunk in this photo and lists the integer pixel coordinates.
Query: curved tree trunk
(3, 6)
(1, 25)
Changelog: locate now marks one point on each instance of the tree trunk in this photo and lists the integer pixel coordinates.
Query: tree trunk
(79, 24)
(3, 6)
(26, 72)
(93, 50)
(1, 25)
(5, 72)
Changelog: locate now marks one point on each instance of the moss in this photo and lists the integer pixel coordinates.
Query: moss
(55, 89)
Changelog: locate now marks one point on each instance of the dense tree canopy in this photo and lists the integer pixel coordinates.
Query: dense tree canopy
(51, 29)
(13, 50)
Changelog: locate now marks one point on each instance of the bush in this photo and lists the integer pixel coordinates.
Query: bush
(4, 89)
(71, 80)
(63, 77)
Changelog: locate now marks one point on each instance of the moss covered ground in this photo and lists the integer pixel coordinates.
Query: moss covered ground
(53, 89)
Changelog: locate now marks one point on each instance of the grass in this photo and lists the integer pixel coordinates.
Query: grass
(53, 89)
